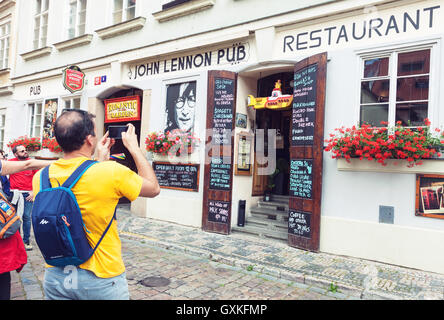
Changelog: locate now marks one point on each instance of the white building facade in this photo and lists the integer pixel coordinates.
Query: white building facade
(144, 48)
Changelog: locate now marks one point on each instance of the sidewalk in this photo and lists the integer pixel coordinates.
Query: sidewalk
(350, 276)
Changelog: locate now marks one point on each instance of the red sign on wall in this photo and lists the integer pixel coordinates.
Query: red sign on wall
(73, 79)
(122, 109)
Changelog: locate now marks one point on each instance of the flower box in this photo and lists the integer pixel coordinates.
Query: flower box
(433, 166)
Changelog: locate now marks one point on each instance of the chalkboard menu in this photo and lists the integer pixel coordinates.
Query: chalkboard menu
(223, 110)
(218, 211)
(220, 173)
(301, 179)
(177, 176)
(299, 223)
(304, 106)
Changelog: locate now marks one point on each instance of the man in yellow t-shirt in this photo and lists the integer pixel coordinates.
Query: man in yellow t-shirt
(97, 192)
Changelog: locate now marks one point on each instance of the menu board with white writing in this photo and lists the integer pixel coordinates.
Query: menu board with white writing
(223, 110)
(301, 179)
(177, 176)
(218, 211)
(304, 106)
(299, 223)
(220, 173)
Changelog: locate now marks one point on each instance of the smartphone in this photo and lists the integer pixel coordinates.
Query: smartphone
(115, 132)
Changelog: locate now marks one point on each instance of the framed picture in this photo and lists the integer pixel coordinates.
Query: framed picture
(241, 120)
(429, 196)
(243, 154)
(180, 106)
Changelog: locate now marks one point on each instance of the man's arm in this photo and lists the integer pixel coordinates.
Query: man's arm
(11, 167)
(150, 185)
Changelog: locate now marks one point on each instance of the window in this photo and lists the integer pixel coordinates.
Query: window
(124, 10)
(395, 87)
(41, 24)
(77, 18)
(169, 3)
(4, 45)
(72, 103)
(2, 129)
(35, 125)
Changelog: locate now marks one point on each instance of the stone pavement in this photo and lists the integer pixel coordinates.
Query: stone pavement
(169, 261)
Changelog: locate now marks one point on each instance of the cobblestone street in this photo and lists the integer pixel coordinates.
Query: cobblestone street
(179, 276)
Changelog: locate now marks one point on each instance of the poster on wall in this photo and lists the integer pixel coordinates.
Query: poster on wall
(50, 112)
(180, 106)
(430, 196)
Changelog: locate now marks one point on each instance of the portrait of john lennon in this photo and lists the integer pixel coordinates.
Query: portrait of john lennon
(180, 106)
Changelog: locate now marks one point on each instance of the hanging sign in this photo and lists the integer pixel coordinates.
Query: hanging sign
(122, 109)
(276, 101)
(73, 79)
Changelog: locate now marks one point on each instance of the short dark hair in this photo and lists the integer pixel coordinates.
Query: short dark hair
(72, 128)
(14, 149)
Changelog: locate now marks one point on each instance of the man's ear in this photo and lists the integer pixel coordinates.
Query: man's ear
(89, 139)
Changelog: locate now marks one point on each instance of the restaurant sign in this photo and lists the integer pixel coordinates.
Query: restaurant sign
(122, 109)
(73, 79)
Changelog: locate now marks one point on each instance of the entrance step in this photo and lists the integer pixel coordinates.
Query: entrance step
(261, 232)
(269, 219)
(269, 214)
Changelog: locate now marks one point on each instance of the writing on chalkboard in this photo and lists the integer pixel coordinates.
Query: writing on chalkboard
(223, 110)
(304, 106)
(299, 223)
(177, 176)
(220, 173)
(301, 179)
(218, 211)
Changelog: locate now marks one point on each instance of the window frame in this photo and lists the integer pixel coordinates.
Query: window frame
(71, 99)
(2, 128)
(77, 15)
(392, 51)
(31, 112)
(4, 63)
(38, 43)
(124, 10)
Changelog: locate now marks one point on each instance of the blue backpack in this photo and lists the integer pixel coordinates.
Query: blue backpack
(57, 221)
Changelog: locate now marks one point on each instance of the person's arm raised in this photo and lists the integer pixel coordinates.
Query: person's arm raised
(150, 185)
(11, 167)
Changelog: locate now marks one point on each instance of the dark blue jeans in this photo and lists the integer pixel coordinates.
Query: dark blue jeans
(26, 218)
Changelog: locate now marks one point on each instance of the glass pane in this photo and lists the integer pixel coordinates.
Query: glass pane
(374, 114)
(71, 33)
(117, 17)
(118, 5)
(131, 13)
(39, 6)
(82, 5)
(76, 103)
(413, 112)
(414, 88)
(39, 108)
(67, 104)
(416, 62)
(72, 14)
(81, 29)
(38, 120)
(45, 5)
(376, 67)
(375, 91)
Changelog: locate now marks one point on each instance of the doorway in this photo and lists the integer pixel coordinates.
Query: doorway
(118, 148)
(280, 120)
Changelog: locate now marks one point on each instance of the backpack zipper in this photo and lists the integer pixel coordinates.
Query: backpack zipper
(68, 234)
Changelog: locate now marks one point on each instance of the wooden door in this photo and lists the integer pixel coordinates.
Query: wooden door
(306, 152)
(218, 171)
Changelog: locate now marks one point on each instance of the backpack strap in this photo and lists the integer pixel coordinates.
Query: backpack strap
(75, 176)
(104, 232)
(44, 179)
